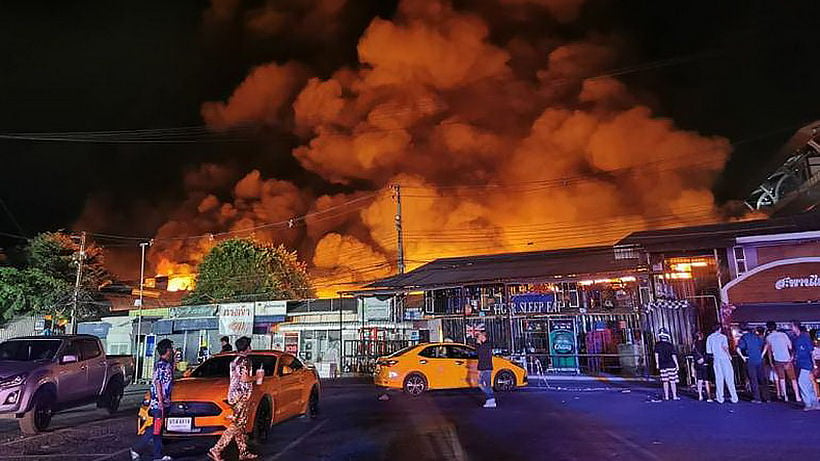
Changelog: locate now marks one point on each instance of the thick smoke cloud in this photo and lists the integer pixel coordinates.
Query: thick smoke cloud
(498, 146)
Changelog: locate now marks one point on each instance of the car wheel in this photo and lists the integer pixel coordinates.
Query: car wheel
(39, 416)
(113, 395)
(415, 384)
(262, 421)
(504, 381)
(313, 404)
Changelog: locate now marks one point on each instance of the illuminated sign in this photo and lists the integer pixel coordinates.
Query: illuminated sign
(812, 280)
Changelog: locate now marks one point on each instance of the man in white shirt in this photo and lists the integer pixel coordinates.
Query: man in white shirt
(718, 346)
(780, 346)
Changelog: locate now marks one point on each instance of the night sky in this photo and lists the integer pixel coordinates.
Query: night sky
(92, 65)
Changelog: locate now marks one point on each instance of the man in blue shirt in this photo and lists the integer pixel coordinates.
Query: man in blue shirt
(750, 348)
(161, 385)
(803, 347)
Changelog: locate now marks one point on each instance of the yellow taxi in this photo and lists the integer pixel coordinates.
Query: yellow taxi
(198, 406)
(442, 366)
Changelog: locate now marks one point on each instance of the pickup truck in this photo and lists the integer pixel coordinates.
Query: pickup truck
(40, 375)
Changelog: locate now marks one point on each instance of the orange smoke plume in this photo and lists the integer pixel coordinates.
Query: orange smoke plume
(498, 146)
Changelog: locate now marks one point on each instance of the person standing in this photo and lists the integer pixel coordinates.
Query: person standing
(718, 346)
(162, 383)
(226, 344)
(803, 348)
(780, 346)
(666, 358)
(239, 395)
(750, 348)
(485, 369)
(701, 365)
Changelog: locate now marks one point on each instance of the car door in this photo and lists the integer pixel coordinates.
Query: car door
(433, 362)
(71, 376)
(465, 365)
(96, 364)
(289, 387)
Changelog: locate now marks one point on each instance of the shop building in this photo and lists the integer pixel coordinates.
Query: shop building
(576, 310)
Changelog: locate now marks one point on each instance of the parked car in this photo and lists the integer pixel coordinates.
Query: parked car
(198, 406)
(40, 375)
(442, 366)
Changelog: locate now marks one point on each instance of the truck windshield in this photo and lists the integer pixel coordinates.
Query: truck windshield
(29, 349)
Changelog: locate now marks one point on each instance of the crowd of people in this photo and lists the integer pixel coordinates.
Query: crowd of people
(785, 360)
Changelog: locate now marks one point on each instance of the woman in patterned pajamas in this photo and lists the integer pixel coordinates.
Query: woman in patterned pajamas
(239, 395)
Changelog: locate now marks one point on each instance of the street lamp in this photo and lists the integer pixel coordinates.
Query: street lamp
(138, 372)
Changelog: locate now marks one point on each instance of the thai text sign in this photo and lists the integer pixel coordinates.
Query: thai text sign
(791, 282)
(264, 308)
(534, 303)
(236, 319)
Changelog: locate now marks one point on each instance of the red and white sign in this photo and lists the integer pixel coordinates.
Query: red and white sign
(236, 319)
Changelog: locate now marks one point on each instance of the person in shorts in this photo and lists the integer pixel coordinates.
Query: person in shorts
(780, 346)
(666, 358)
(701, 365)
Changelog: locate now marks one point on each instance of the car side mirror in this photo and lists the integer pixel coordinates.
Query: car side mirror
(66, 359)
(286, 370)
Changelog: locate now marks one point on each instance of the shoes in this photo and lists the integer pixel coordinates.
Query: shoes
(676, 398)
(490, 403)
(164, 458)
(248, 457)
(135, 456)
(384, 397)
(214, 455)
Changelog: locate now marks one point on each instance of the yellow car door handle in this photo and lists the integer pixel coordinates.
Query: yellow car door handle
(459, 362)
(422, 361)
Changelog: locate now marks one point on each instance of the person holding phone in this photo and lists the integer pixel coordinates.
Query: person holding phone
(162, 383)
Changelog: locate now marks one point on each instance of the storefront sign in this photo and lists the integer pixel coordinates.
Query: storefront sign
(535, 303)
(788, 282)
(207, 310)
(207, 323)
(375, 308)
(236, 319)
(563, 347)
(263, 308)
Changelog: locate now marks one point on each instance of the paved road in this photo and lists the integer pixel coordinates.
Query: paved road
(615, 423)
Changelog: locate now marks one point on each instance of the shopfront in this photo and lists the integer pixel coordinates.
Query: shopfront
(780, 291)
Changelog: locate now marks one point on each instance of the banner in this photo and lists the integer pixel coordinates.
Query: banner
(263, 308)
(563, 347)
(534, 303)
(206, 310)
(376, 309)
(236, 319)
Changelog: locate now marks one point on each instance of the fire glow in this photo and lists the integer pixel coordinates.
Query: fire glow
(481, 134)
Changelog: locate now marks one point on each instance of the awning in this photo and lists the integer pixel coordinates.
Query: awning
(268, 319)
(760, 313)
(163, 327)
(207, 323)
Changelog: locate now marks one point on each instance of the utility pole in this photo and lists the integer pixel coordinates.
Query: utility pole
(74, 304)
(399, 234)
(138, 372)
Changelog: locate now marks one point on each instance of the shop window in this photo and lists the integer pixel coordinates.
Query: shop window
(566, 294)
(740, 259)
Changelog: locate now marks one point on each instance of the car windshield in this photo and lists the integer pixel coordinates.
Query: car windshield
(28, 350)
(402, 351)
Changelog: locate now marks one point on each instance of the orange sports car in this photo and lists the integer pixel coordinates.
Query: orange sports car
(443, 366)
(198, 406)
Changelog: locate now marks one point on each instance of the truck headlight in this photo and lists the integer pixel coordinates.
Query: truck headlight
(13, 381)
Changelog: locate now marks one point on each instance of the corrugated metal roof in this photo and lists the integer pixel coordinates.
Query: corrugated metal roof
(721, 235)
(510, 267)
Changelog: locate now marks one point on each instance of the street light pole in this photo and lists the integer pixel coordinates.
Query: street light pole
(80, 259)
(138, 372)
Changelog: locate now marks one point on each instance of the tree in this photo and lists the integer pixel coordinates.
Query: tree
(44, 282)
(246, 270)
(31, 291)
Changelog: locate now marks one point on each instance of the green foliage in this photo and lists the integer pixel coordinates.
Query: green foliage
(245, 270)
(45, 282)
(31, 291)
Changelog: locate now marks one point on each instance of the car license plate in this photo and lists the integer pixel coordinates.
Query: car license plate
(178, 424)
